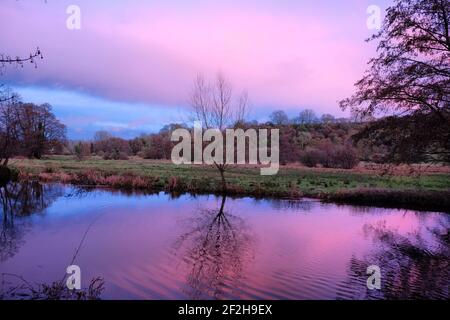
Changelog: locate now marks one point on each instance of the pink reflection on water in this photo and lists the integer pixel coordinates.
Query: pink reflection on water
(151, 247)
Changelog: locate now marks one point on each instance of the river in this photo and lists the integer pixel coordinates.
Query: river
(165, 246)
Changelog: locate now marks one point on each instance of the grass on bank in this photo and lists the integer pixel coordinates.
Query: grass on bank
(291, 181)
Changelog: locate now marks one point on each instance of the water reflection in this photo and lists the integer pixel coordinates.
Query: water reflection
(415, 266)
(20, 200)
(288, 204)
(32, 197)
(216, 249)
(172, 246)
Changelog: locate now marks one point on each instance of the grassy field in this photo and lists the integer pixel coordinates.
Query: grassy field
(291, 181)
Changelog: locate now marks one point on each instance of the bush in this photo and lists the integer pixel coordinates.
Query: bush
(123, 156)
(345, 158)
(148, 153)
(331, 157)
(312, 157)
(115, 155)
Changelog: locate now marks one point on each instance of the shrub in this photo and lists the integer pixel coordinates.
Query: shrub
(312, 157)
(122, 156)
(81, 150)
(148, 153)
(330, 156)
(115, 155)
(345, 158)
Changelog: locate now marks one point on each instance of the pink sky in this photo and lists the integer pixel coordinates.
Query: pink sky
(288, 54)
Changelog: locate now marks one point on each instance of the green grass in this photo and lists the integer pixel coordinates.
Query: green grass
(241, 180)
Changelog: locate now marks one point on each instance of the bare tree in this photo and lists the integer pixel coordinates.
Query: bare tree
(39, 130)
(8, 130)
(17, 61)
(216, 106)
(6, 94)
(28, 129)
(7, 122)
(279, 118)
(327, 118)
(306, 116)
(102, 135)
(6, 60)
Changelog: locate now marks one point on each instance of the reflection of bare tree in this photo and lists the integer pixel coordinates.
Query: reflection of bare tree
(216, 250)
(412, 267)
(30, 197)
(287, 204)
(19, 200)
(10, 236)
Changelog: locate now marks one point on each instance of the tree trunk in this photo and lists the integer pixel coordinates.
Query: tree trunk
(5, 175)
(222, 205)
(224, 182)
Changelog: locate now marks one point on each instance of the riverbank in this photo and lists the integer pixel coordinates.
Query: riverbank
(429, 190)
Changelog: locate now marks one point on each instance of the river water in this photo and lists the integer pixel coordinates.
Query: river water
(161, 246)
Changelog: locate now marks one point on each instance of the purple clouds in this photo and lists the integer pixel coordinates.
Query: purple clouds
(284, 53)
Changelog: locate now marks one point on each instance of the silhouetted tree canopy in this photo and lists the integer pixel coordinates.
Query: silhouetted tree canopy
(307, 116)
(409, 81)
(279, 117)
(28, 129)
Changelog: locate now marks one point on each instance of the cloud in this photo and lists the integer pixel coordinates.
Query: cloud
(84, 114)
(284, 53)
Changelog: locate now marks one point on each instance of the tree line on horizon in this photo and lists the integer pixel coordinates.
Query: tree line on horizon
(326, 143)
